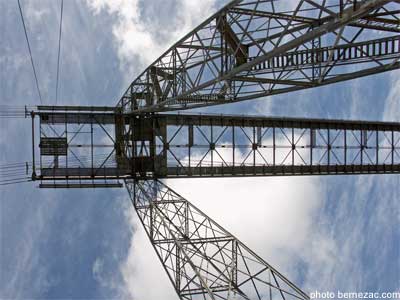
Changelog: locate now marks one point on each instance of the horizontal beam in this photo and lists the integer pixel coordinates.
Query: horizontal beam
(283, 122)
(75, 108)
(219, 120)
(282, 170)
(50, 117)
(79, 185)
(74, 173)
(272, 81)
(214, 171)
(204, 145)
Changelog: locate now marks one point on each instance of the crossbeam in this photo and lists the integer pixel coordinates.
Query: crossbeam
(87, 146)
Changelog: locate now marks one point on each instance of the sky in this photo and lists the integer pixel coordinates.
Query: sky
(325, 233)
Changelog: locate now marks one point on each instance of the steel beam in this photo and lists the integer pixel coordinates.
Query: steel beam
(199, 145)
(223, 146)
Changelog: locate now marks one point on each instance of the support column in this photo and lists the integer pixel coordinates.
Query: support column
(202, 259)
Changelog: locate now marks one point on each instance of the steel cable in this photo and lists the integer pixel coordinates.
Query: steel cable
(30, 52)
(59, 49)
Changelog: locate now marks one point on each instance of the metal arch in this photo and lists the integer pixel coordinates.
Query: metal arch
(252, 49)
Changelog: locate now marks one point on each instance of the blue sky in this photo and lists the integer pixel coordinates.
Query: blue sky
(325, 233)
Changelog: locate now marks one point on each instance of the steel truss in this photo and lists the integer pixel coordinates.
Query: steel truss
(202, 259)
(251, 49)
(225, 146)
(176, 146)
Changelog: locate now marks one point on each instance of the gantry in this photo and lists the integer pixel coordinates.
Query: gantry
(249, 49)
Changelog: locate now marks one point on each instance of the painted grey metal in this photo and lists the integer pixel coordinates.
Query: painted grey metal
(252, 49)
(201, 258)
(199, 145)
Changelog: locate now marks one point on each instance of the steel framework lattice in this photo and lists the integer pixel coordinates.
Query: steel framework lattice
(248, 49)
(202, 259)
(181, 146)
(251, 49)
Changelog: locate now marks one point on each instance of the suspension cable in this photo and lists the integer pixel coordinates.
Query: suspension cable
(59, 48)
(30, 52)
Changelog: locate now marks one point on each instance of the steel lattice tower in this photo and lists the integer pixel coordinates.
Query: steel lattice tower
(249, 49)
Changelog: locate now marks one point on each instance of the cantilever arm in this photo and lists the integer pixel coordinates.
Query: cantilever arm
(252, 49)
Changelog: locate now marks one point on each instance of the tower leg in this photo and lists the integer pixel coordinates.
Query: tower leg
(202, 259)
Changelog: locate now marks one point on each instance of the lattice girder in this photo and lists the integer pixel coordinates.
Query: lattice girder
(251, 49)
(202, 259)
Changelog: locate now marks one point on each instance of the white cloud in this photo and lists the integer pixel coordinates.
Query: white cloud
(143, 275)
(392, 107)
(138, 40)
(22, 284)
(273, 216)
(97, 269)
